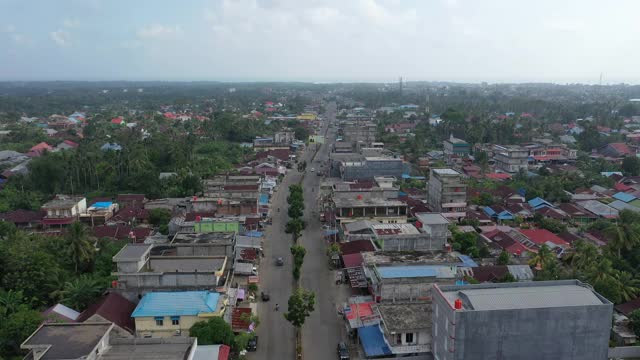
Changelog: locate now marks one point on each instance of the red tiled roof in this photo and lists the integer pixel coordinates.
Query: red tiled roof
(568, 237)
(223, 352)
(551, 212)
(120, 232)
(282, 154)
(71, 143)
(112, 307)
(117, 120)
(248, 254)
(21, 216)
(621, 148)
(541, 236)
(236, 322)
(498, 176)
(58, 221)
(129, 213)
(41, 146)
(357, 246)
(622, 187)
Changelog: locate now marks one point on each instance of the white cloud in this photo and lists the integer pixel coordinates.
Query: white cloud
(60, 37)
(70, 23)
(8, 29)
(157, 31)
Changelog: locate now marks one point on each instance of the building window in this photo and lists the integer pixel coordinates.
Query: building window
(408, 337)
(175, 320)
(398, 339)
(159, 321)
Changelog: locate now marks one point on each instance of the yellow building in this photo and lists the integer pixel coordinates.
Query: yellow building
(163, 314)
(307, 116)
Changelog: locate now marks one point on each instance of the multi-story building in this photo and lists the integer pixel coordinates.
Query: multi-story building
(545, 320)
(165, 314)
(455, 148)
(372, 167)
(447, 191)
(435, 227)
(64, 209)
(511, 159)
(284, 137)
(350, 207)
(359, 131)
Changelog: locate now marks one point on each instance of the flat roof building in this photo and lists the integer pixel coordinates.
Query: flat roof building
(563, 319)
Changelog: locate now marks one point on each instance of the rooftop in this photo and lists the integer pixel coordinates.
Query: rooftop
(67, 341)
(63, 202)
(399, 317)
(132, 252)
(394, 229)
(431, 218)
(533, 295)
(414, 271)
(175, 348)
(445, 172)
(177, 303)
(204, 238)
(349, 200)
(187, 263)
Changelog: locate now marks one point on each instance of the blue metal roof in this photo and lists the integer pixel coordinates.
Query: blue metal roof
(489, 211)
(390, 272)
(467, 261)
(622, 196)
(253, 233)
(102, 204)
(264, 198)
(176, 303)
(538, 202)
(373, 341)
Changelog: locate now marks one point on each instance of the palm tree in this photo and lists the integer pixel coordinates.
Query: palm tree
(82, 291)
(600, 271)
(543, 256)
(82, 251)
(623, 236)
(583, 256)
(10, 301)
(628, 285)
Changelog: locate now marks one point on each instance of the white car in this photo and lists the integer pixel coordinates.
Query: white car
(313, 169)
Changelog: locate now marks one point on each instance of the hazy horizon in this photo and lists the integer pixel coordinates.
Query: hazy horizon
(494, 41)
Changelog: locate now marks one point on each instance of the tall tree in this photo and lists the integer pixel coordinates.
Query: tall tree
(212, 331)
(300, 306)
(81, 249)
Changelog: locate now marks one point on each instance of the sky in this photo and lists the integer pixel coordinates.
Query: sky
(324, 41)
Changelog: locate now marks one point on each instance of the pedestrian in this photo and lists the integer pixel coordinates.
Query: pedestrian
(277, 307)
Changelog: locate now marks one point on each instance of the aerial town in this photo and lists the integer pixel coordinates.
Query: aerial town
(316, 180)
(265, 222)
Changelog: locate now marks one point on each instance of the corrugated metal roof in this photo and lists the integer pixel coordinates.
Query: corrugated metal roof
(176, 303)
(394, 272)
(373, 341)
(527, 297)
(622, 205)
(622, 196)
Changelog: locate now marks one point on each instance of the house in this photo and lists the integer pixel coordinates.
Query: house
(408, 282)
(131, 200)
(617, 150)
(98, 341)
(240, 319)
(281, 155)
(405, 237)
(350, 207)
(406, 329)
(141, 268)
(553, 213)
(167, 314)
(128, 215)
(455, 148)
(577, 214)
(64, 209)
(511, 241)
(114, 308)
(511, 159)
(498, 213)
(496, 273)
(484, 315)
(436, 227)
(544, 237)
(39, 149)
(356, 247)
(212, 352)
(624, 197)
(599, 209)
(67, 145)
(111, 147)
(538, 203)
(24, 218)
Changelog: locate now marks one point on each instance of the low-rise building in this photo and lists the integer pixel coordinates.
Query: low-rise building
(64, 209)
(455, 148)
(563, 319)
(166, 314)
(436, 226)
(511, 159)
(368, 206)
(411, 283)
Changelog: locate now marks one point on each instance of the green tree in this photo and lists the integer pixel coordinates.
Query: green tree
(17, 327)
(508, 277)
(624, 235)
(628, 285)
(298, 253)
(301, 304)
(631, 165)
(81, 249)
(158, 217)
(503, 258)
(634, 317)
(295, 227)
(83, 291)
(213, 331)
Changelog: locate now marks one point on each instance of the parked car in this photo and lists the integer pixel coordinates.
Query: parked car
(252, 345)
(343, 352)
(312, 169)
(279, 261)
(264, 296)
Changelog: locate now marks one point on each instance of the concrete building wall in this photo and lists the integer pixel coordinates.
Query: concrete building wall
(409, 289)
(168, 280)
(146, 326)
(367, 170)
(568, 333)
(205, 250)
(421, 242)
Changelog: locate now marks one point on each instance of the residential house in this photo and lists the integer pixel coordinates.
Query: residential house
(408, 282)
(578, 214)
(368, 206)
(24, 218)
(599, 209)
(404, 237)
(511, 159)
(39, 149)
(64, 210)
(436, 227)
(484, 315)
(98, 341)
(131, 200)
(166, 314)
(617, 150)
(406, 329)
(142, 269)
(67, 145)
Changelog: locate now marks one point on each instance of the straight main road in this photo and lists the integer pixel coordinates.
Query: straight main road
(323, 329)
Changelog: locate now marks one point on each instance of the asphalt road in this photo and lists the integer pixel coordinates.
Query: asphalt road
(323, 329)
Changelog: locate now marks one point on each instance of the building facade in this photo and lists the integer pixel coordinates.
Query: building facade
(447, 191)
(544, 320)
(455, 148)
(511, 159)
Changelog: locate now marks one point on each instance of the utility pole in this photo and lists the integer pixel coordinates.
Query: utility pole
(400, 85)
